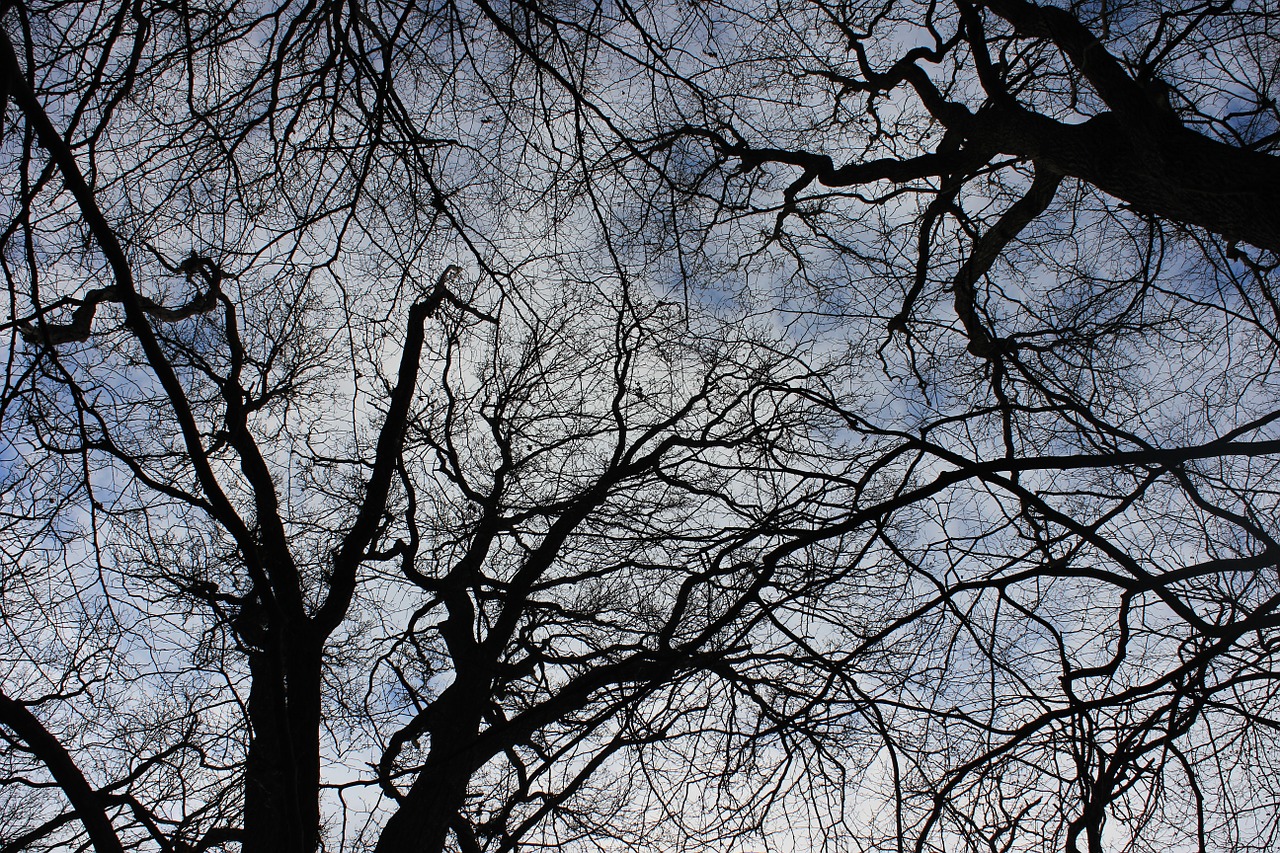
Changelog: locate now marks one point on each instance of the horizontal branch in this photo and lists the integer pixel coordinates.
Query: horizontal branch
(81, 325)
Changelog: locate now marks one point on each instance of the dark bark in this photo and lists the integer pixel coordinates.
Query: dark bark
(1133, 149)
(1138, 151)
(49, 750)
(1170, 172)
(126, 292)
(363, 529)
(988, 248)
(435, 799)
(1163, 169)
(282, 767)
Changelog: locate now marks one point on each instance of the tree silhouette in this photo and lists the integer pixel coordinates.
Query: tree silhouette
(701, 425)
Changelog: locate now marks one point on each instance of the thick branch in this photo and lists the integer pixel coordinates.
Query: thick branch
(390, 442)
(1104, 72)
(84, 799)
(1177, 174)
(1139, 152)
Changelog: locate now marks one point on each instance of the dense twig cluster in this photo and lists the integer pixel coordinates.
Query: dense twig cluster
(693, 425)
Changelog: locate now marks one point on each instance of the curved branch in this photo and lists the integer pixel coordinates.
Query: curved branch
(135, 313)
(80, 327)
(988, 248)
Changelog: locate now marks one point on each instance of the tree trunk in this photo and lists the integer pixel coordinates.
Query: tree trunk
(439, 790)
(282, 768)
(1170, 171)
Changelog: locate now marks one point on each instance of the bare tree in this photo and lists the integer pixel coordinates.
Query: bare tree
(498, 426)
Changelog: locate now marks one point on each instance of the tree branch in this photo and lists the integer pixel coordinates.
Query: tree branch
(84, 799)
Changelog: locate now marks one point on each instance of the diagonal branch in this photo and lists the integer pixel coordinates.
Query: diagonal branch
(360, 537)
(1138, 152)
(84, 799)
(135, 312)
(1105, 74)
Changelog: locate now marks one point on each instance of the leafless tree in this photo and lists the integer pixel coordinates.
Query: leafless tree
(710, 425)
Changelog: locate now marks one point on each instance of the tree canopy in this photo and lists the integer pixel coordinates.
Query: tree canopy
(713, 425)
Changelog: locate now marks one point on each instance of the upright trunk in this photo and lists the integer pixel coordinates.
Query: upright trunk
(438, 793)
(282, 768)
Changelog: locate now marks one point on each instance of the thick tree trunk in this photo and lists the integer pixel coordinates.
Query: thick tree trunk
(1139, 151)
(438, 793)
(1169, 170)
(282, 768)
(422, 823)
